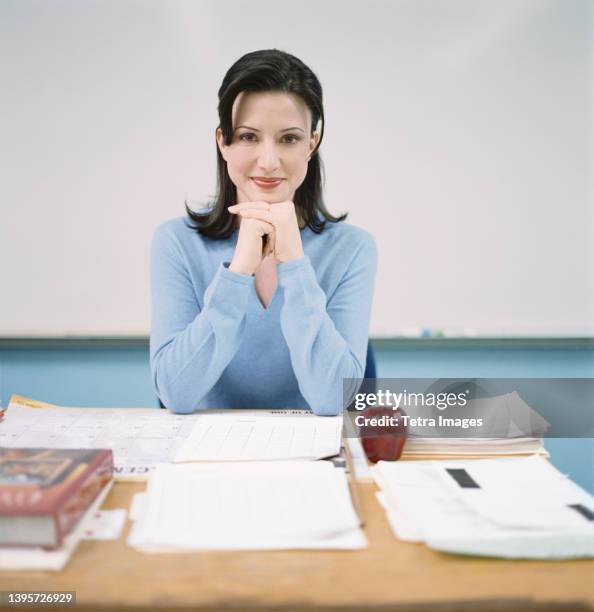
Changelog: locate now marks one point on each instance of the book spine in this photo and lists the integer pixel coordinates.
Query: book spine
(69, 514)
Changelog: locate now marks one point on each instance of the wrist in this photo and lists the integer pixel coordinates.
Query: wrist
(285, 257)
(239, 268)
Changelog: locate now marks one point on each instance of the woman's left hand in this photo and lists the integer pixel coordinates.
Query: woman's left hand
(287, 239)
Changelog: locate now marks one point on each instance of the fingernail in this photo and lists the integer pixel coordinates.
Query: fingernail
(230, 207)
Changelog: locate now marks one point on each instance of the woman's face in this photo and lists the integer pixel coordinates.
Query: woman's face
(269, 152)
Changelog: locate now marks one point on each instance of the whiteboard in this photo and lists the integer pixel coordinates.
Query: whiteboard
(459, 133)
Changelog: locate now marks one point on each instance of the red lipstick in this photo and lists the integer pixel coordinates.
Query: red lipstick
(266, 183)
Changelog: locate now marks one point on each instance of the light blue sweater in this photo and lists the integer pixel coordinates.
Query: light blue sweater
(213, 344)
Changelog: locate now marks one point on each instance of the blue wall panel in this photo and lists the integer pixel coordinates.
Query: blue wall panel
(118, 375)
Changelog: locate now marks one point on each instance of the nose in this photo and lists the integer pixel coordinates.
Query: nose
(268, 158)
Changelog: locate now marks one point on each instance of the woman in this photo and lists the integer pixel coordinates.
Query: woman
(263, 301)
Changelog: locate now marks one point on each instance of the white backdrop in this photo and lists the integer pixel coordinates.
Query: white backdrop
(459, 132)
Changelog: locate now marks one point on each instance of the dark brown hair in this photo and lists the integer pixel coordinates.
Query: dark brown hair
(267, 70)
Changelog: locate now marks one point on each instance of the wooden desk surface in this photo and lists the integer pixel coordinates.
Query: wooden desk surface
(389, 575)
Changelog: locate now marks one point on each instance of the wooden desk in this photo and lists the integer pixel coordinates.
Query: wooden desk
(389, 575)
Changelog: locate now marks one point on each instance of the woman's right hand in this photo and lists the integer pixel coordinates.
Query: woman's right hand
(251, 247)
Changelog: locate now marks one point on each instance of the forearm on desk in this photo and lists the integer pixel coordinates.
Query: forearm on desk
(327, 339)
(186, 363)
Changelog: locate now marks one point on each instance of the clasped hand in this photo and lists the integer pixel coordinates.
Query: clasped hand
(265, 230)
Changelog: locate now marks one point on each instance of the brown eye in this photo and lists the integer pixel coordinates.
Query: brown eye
(291, 138)
(247, 137)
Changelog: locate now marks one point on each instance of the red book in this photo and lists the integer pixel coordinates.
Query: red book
(45, 492)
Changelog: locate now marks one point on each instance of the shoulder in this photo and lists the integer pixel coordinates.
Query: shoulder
(339, 252)
(348, 233)
(179, 235)
(172, 230)
(348, 241)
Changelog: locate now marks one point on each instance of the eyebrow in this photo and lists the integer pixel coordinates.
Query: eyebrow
(247, 127)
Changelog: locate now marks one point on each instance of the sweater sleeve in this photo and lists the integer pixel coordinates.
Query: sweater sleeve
(327, 336)
(191, 346)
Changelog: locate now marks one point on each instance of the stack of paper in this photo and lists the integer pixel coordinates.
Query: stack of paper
(510, 427)
(254, 505)
(469, 448)
(509, 507)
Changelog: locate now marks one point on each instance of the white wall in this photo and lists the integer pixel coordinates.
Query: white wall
(458, 132)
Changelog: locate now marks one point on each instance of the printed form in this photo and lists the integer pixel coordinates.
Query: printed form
(262, 437)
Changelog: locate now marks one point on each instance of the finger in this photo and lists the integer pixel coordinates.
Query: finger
(261, 215)
(236, 208)
(262, 227)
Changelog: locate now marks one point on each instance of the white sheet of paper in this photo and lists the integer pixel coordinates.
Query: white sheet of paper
(255, 505)
(528, 494)
(414, 492)
(261, 437)
(137, 506)
(105, 525)
(400, 524)
(360, 463)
